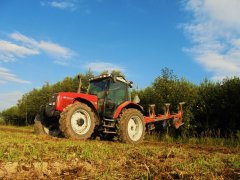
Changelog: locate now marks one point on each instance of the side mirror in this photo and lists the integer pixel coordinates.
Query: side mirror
(136, 99)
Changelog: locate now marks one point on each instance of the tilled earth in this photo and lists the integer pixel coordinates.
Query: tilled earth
(24, 155)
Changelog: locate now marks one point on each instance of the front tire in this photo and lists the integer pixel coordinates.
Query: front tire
(77, 121)
(131, 126)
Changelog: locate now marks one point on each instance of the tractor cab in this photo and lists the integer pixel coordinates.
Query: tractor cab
(111, 92)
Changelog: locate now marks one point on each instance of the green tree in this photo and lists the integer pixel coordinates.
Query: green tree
(12, 116)
(167, 88)
(217, 106)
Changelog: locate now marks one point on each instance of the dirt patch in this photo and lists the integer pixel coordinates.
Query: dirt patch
(46, 170)
(136, 166)
(15, 129)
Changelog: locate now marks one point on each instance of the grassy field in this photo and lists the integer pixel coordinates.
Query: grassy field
(24, 155)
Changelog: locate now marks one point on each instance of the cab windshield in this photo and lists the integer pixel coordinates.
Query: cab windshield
(98, 88)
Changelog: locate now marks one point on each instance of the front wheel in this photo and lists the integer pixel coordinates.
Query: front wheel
(131, 126)
(77, 121)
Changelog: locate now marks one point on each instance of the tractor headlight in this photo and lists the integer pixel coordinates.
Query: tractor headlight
(52, 100)
(52, 104)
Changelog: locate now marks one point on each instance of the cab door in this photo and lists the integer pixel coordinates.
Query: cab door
(116, 95)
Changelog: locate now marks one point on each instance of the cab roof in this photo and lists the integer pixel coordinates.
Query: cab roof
(118, 78)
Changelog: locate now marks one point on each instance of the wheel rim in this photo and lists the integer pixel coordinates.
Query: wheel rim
(81, 122)
(135, 128)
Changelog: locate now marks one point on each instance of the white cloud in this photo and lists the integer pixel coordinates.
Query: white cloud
(224, 11)
(9, 51)
(57, 51)
(24, 39)
(61, 4)
(7, 76)
(215, 34)
(9, 99)
(103, 66)
(27, 46)
(216, 62)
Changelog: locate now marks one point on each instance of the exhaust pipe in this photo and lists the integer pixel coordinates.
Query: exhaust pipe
(80, 84)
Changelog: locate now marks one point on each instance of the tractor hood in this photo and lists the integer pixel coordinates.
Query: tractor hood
(66, 98)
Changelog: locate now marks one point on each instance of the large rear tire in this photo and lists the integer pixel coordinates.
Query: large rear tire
(131, 126)
(77, 121)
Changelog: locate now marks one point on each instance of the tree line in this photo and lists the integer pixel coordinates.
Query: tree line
(210, 106)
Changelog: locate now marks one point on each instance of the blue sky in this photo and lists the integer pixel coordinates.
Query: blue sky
(46, 40)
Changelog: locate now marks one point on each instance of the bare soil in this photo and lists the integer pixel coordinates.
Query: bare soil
(24, 155)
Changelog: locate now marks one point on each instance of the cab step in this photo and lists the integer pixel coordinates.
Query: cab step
(109, 120)
(108, 126)
(109, 132)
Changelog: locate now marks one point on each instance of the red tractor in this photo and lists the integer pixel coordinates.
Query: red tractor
(106, 110)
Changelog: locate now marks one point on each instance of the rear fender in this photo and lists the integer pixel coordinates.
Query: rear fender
(126, 105)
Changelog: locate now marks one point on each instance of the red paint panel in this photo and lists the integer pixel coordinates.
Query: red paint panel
(148, 119)
(162, 117)
(66, 98)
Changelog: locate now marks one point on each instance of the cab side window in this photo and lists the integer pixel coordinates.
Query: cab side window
(118, 92)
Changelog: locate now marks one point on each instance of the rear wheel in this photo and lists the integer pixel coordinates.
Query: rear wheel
(77, 121)
(131, 126)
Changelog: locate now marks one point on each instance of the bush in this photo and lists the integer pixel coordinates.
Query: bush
(2, 122)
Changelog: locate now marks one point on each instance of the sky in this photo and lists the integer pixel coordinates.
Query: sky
(47, 40)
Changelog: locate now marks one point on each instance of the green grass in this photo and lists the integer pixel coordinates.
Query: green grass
(202, 140)
(94, 159)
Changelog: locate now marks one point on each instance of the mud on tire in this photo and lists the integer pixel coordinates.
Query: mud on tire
(131, 126)
(77, 121)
